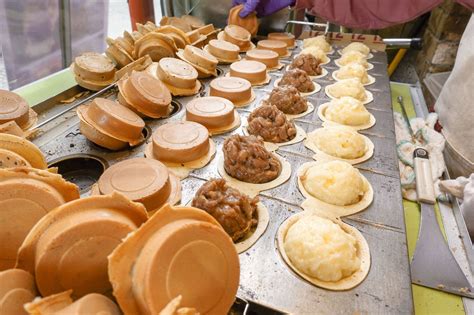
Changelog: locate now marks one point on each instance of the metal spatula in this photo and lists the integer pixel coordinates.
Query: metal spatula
(433, 265)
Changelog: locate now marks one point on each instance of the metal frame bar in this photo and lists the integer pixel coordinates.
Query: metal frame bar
(392, 43)
(83, 101)
(65, 31)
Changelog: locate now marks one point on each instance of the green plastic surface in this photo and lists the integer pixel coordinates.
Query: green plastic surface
(41, 90)
(425, 300)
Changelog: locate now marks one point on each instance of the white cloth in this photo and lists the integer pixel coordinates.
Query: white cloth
(455, 104)
(462, 188)
(425, 137)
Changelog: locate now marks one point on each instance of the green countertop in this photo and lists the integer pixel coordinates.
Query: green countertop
(425, 300)
(52, 85)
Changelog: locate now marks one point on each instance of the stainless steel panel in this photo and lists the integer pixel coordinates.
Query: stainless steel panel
(264, 276)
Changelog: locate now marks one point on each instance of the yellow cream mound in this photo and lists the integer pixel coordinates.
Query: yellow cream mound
(339, 141)
(316, 52)
(348, 87)
(353, 70)
(353, 56)
(321, 249)
(347, 111)
(319, 42)
(335, 182)
(362, 48)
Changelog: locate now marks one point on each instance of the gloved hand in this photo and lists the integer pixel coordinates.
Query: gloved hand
(262, 7)
(462, 188)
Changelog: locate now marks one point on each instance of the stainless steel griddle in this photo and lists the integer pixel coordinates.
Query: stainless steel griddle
(265, 278)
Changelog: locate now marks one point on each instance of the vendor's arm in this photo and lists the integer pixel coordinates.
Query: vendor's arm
(366, 14)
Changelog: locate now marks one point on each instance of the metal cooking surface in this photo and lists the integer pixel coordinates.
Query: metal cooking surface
(264, 275)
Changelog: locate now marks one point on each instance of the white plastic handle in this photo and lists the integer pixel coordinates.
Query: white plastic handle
(424, 179)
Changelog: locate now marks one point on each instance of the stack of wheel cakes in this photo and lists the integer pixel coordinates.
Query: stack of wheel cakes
(237, 35)
(237, 90)
(265, 56)
(186, 23)
(180, 142)
(145, 95)
(179, 37)
(155, 45)
(147, 181)
(93, 71)
(225, 52)
(217, 114)
(110, 124)
(120, 50)
(16, 116)
(179, 76)
(253, 71)
(287, 38)
(277, 46)
(196, 38)
(201, 60)
(209, 31)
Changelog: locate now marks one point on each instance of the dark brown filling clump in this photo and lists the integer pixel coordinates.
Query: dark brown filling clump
(287, 99)
(271, 124)
(308, 63)
(246, 159)
(299, 79)
(236, 212)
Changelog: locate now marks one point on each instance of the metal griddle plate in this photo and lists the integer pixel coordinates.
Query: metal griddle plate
(264, 275)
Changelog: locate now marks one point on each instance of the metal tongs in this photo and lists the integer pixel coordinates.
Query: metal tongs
(313, 25)
(415, 137)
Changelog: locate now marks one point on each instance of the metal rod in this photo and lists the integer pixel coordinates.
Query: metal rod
(399, 41)
(390, 42)
(65, 31)
(306, 23)
(405, 116)
(312, 24)
(96, 94)
(190, 11)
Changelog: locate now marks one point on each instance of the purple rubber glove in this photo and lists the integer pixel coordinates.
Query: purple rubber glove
(262, 7)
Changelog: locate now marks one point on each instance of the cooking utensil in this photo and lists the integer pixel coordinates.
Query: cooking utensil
(405, 115)
(248, 307)
(313, 25)
(433, 264)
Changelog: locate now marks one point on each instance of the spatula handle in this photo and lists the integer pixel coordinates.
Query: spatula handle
(424, 179)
